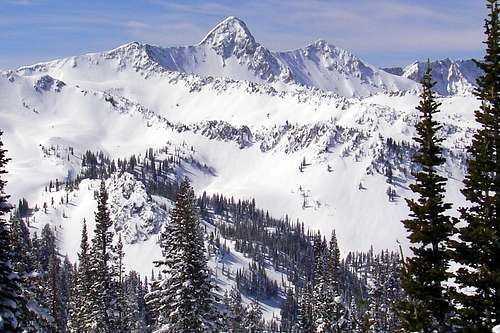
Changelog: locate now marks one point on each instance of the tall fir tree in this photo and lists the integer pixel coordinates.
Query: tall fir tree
(34, 315)
(252, 320)
(478, 248)
(305, 320)
(55, 304)
(66, 277)
(9, 280)
(334, 263)
(73, 324)
(329, 312)
(184, 298)
(120, 322)
(80, 303)
(135, 320)
(153, 298)
(235, 311)
(335, 304)
(427, 307)
(322, 295)
(289, 311)
(102, 298)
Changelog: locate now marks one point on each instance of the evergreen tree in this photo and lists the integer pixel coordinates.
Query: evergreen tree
(184, 299)
(289, 311)
(328, 311)
(305, 322)
(102, 300)
(54, 293)
(334, 305)
(135, 314)
(427, 307)
(235, 311)
(322, 311)
(334, 263)
(120, 324)
(34, 314)
(383, 294)
(153, 300)
(74, 323)
(478, 250)
(9, 280)
(80, 303)
(252, 321)
(66, 286)
(44, 308)
(46, 246)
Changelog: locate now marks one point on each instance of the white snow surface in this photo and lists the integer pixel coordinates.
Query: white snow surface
(246, 114)
(254, 140)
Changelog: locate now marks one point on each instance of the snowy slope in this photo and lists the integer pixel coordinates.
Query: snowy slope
(315, 133)
(134, 214)
(229, 50)
(453, 77)
(254, 141)
(252, 137)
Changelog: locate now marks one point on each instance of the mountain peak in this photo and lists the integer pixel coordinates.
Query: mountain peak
(320, 43)
(128, 47)
(229, 36)
(324, 46)
(229, 27)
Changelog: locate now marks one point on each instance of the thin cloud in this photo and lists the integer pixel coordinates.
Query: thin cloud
(22, 2)
(207, 8)
(137, 25)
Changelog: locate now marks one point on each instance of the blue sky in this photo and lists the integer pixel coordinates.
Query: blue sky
(382, 32)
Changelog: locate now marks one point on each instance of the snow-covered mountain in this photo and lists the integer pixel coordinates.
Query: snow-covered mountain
(253, 140)
(230, 51)
(453, 77)
(314, 134)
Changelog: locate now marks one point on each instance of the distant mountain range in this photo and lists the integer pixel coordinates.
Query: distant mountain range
(453, 77)
(229, 50)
